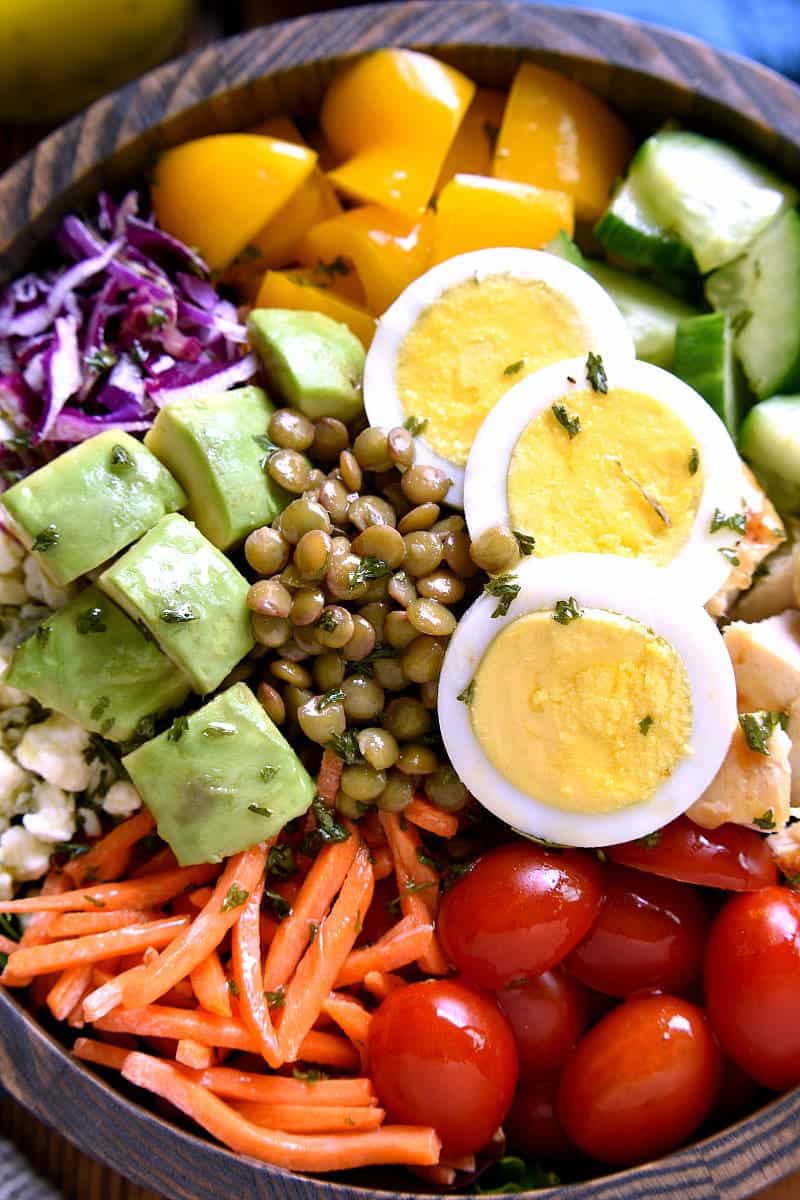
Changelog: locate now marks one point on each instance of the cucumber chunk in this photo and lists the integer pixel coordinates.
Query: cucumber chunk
(704, 359)
(562, 246)
(652, 315)
(770, 441)
(761, 291)
(629, 230)
(706, 194)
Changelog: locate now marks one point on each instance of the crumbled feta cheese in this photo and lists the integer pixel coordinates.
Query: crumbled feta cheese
(121, 799)
(89, 822)
(785, 847)
(51, 815)
(9, 696)
(13, 780)
(55, 749)
(22, 855)
(6, 886)
(11, 553)
(39, 587)
(12, 590)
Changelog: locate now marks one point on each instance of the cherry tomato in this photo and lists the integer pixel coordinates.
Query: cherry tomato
(650, 934)
(443, 1054)
(532, 1125)
(519, 912)
(752, 984)
(641, 1081)
(730, 857)
(548, 1015)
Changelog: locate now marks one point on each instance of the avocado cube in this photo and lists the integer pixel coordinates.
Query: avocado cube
(221, 779)
(82, 508)
(188, 595)
(215, 446)
(311, 361)
(90, 662)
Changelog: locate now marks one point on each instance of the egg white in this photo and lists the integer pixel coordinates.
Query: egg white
(626, 587)
(698, 567)
(605, 325)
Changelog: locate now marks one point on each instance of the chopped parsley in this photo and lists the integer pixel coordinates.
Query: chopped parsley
(651, 840)
(757, 728)
(280, 862)
(259, 810)
(363, 666)
(268, 773)
(368, 569)
(219, 729)
(276, 999)
(232, 987)
(100, 707)
(567, 610)
(515, 367)
(312, 1075)
(178, 614)
(46, 539)
(94, 901)
(100, 359)
(278, 903)
(235, 897)
(415, 425)
(572, 424)
(453, 872)
(766, 821)
(91, 620)
(332, 696)
(648, 497)
(328, 829)
(736, 521)
(345, 746)
(467, 694)
(596, 372)
(505, 590)
(644, 725)
(337, 266)
(729, 553)
(73, 850)
(526, 542)
(121, 458)
(326, 620)
(512, 1175)
(43, 633)
(177, 729)
(694, 461)
(267, 445)
(10, 926)
(156, 318)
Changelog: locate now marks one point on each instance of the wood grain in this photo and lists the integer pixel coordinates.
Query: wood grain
(647, 74)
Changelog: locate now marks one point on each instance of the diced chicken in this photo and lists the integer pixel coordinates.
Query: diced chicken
(766, 661)
(773, 591)
(763, 534)
(785, 847)
(749, 788)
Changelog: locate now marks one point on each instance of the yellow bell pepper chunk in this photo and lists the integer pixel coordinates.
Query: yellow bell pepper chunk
(389, 251)
(556, 134)
(392, 117)
(473, 149)
(217, 192)
(281, 289)
(474, 212)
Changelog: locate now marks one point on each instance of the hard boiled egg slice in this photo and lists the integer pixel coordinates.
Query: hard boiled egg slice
(462, 334)
(633, 464)
(594, 707)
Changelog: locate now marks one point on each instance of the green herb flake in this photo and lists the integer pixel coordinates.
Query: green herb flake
(467, 694)
(313, 930)
(177, 729)
(281, 862)
(279, 904)
(100, 359)
(121, 458)
(766, 821)
(311, 1075)
(345, 746)
(260, 810)
(572, 424)
(100, 707)
(453, 872)
(276, 999)
(415, 425)
(648, 497)
(337, 266)
(651, 840)
(249, 254)
(266, 444)
(91, 621)
(505, 590)
(232, 987)
(596, 373)
(328, 830)
(94, 901)
(644, 725)
(3, 960)
(757, 728)
(426, 860)
(730, 555)
(326, 620)
(514, 368)
(46, 539)
(73, 850)
(736, 521)
(43, 633)
(10, 926)
(332, 696)
(156, 318)
(268, 773)
(526, 542)
(235, 897)
(178, 614)
(513, 1175)
(694, 461)
(368, 569)
(567, 610)
(215, 729)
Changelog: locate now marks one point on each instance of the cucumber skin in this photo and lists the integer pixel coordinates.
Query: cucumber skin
(655, 250)
(770, 441)
(709, 373)
(652, 314)
(562, 246)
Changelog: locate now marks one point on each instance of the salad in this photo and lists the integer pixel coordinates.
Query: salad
(400, 653)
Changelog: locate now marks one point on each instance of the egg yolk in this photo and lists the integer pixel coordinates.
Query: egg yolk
(471, 345)
(596, 713)
(628, 481)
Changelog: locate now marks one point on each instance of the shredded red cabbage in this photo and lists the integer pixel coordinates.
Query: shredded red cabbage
(128, 322)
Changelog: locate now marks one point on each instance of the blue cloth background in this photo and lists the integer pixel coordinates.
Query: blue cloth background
(766, 30)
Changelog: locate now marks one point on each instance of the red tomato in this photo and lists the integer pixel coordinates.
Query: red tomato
(443, 1054)
(641, 1081)
(532, 1125)
(519, 912)
(730, 857)
(548, 1015)
(752, 983)
(650, 934)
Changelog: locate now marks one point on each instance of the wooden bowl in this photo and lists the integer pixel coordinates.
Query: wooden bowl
(648, 75)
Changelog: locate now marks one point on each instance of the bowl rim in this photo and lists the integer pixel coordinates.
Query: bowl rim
(748, 1155)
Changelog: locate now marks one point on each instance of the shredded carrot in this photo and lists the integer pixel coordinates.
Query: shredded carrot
(210, 985)
(101, 1053)
(241, 875)
(150, 891)
(294, 1152)
(381, 984)
(248, 973)
(200, 897)
(320, 885)
(297, 1118)
(418, 885)
(382, 865)
(56, 956)
(37, 929)
(162, 860)
(193, 1054)
(406, 942)
(350, 1015)
(431, 818)
(8, 945)
(68, 991)
(278, 1089)
(330, 775)
(64, 925)
(317, 970)
(110, 857)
